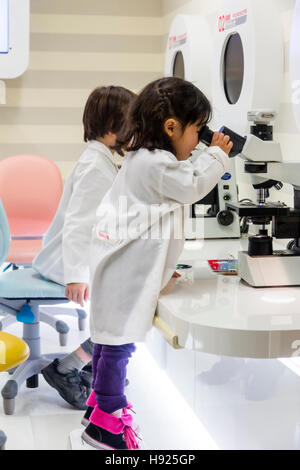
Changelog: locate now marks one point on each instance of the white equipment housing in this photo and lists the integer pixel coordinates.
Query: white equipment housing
(189, 55)
(248, 61)
(269, 271)
(189, 51)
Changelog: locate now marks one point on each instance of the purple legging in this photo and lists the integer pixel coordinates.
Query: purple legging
(109, 374)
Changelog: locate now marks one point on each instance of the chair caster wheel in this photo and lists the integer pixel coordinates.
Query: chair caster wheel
(63, 339)
(9, 406)
(81, 324)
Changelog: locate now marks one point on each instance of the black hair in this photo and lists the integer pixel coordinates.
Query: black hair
(162, 99)
(105, 111)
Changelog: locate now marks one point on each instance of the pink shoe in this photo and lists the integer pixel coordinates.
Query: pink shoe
(107, 432)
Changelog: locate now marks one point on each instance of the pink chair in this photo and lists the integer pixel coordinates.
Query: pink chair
(23, 251)
(30, 189)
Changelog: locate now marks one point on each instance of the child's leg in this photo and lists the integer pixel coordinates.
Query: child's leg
(78, 358)
(96, 356)
(109, 381)
(87, 347)
(108, 428)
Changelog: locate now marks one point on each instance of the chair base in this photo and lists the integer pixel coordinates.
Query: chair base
(60, 326)
(47, 315)
(79, 313)
(2, 440)
(29, 370)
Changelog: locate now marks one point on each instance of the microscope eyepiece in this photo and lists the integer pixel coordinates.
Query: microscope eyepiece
(206, 136)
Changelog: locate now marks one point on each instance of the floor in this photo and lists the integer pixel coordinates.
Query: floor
(248, 404)
(244, 404)
(43, 421)
(239, 404)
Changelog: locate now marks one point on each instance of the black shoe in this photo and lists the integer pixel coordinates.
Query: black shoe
(86, 418)
(103, 440)
(69, 386)
(86, 375)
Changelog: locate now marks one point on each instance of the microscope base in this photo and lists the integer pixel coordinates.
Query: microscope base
(279, 269)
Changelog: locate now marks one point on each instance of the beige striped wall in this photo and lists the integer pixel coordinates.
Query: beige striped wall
(78, 45)
(75, 46)
(286, 130)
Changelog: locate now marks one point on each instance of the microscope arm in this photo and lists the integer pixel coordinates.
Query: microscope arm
(288, 172)
(264, 160)
(261, 151)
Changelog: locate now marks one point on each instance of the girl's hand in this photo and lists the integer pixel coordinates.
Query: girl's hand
(223, 141)
(77, 292)
(176, 275)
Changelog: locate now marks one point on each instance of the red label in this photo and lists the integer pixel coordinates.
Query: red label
(240, 13)
(177, 40)
(229, 21)
(172, 39)
(221, 23)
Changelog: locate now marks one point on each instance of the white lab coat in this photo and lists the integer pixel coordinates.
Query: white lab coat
(64, 256)
(127, 273)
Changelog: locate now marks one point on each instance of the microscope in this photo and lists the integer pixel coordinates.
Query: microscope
(261, 265)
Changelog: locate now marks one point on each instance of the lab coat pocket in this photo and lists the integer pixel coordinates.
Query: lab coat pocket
(107, 240)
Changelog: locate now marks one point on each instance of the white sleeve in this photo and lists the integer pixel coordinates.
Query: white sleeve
(88, 191)
(188, 181)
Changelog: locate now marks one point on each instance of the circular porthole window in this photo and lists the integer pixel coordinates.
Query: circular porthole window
(233, 68)
(178, 67)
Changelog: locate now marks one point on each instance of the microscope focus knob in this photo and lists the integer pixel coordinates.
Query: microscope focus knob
(225, 218)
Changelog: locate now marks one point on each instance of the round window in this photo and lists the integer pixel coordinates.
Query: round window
(178, 67)
(233, 68)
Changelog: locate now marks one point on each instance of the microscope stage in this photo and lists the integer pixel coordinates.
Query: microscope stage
(249, 209)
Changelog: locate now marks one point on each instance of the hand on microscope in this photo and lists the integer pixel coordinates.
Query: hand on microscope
(223, 141)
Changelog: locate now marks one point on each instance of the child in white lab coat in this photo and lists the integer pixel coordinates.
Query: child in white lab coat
(135, 245)
(64, 256)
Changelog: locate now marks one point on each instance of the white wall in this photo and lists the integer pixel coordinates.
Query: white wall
(286, 131)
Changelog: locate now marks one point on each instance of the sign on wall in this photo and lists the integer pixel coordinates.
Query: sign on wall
(14, 37)
(4, 26)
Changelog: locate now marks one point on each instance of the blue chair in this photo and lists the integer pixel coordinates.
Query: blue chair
(22, 292)
(30, 214)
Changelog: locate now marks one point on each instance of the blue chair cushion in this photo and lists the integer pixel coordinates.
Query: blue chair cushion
(28, 284)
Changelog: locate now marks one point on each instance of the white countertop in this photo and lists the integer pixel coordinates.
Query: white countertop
(223, 315)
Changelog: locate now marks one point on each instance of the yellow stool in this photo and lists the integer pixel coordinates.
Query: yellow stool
(13, 351)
